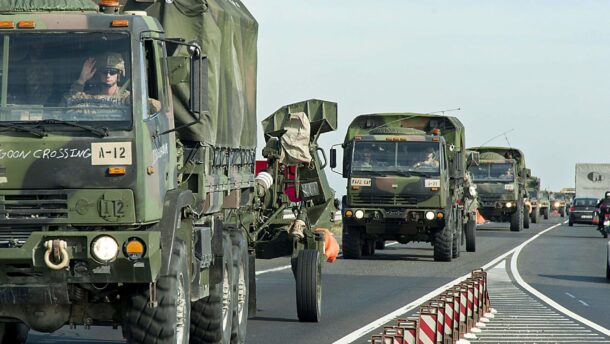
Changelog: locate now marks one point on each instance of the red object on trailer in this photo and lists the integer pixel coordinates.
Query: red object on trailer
(289, 174)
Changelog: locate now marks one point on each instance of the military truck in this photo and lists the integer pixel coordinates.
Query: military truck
(545, 204)
(532, 184)
(128, 193)
(558, 203)
(405, 175)
(500, 178)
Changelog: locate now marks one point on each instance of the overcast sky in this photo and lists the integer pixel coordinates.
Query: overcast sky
(541, 68)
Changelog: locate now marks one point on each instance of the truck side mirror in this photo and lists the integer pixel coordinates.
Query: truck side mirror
(199, 83)
(333, 158)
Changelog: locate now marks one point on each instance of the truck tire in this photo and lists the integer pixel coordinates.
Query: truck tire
(309, 286)
(442, 241)
(471, 235)
(516, 219)
(241, 280)
(562, 212)
(536, 216)
(13, 333)
(526, 219)
(169, 322)
(351, 242)
(368, 249)
(457, 235)
(380, 244)
(212, 317)
(545, 213)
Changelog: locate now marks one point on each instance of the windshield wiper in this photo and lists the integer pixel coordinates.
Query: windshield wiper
(101, 132)
(36, 132)
(414, 173)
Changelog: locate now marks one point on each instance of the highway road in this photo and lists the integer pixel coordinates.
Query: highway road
(565, 264)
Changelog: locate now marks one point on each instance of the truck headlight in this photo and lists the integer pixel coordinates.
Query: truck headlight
(105, 248)
(430, 215)
(359, 214)
(556, 204)
(509, 204)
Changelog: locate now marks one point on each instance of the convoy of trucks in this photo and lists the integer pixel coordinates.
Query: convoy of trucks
(130, 194)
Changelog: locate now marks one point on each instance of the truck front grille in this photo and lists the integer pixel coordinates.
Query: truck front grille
(47, 205)
(383, 200)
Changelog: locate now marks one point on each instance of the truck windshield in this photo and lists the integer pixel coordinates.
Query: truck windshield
(493, 172)
(411, 158)
(75, 76)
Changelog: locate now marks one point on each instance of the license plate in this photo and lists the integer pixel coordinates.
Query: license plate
(586, 216)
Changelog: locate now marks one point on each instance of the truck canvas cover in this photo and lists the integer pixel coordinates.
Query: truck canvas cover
(227, 34)
(47, 5)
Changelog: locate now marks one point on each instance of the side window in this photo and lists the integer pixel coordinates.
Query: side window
(156, 76)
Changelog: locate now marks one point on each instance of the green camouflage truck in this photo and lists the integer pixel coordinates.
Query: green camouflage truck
(500, 178)
(406, 175)
(128, 194)
(532, 185)
(545, 204)
(558, 203)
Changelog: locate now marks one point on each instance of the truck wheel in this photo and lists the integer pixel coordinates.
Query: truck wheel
(562, 212)
(169, 322)
(545, 213)
(309, 286)
(471, 235)
(516, 219)
(13, 333)
(380, 244)
(443, 241)
(241, 280)
(351, 242)
(526, 219)
(455, 246)
(211, 317)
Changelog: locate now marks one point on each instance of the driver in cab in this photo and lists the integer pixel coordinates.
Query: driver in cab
(430, 159)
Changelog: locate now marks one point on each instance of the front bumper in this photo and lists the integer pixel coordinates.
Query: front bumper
(23, 267)
(395, 220)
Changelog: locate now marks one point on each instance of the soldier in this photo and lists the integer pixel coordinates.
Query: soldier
(111, 70)
(366, 162)
(430, 159)
(507, 174)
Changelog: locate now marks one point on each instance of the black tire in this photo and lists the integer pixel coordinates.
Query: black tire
(605, 233)
(471, 235)
(570, 223)
(562, 212)
(13, 333)
(161, 324)
(211, 317)
(442, 241)
(535, 216)
(309, 286)
(545, 213)
(526, 219)
(241, 280)
(458, 228)
(380, 244)
(455, 246)
(516, 219)
(351, 242)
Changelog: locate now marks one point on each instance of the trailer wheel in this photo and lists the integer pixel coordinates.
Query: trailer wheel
(309, 286)
(545, 213)
(516, 219)
(212, 317)
(241, 280)
(380, 244)
(443, 241)
(471, 235)
(13, 333)
(351, 242)
(169, 322)
(536, 216)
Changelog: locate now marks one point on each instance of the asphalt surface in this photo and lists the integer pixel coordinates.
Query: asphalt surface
(357, 292)
(568, 264)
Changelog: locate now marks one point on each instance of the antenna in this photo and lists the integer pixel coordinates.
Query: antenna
(495, 137)
(443, 111)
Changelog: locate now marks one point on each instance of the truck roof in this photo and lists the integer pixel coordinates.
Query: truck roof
(33, 6)
(451, 128)
(515, 153)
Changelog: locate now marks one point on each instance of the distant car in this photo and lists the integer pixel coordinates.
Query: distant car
(582, 211)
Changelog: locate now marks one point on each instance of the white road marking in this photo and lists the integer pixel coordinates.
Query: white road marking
(570, 295)
(544, 298)
(584, 303)
(285, 267)
(355, 335)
